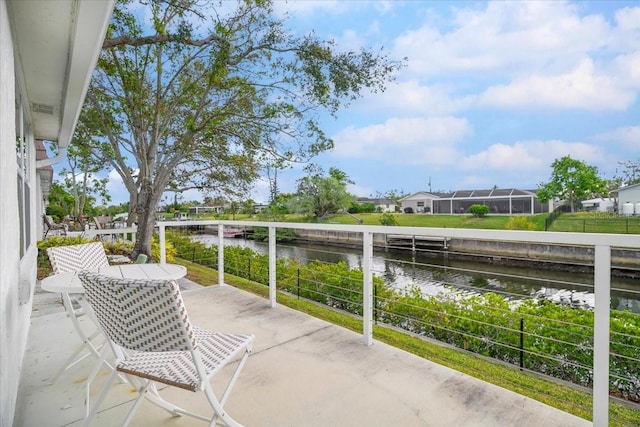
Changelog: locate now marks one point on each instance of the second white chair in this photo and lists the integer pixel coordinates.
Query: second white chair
(87, 256)
(149, 330)
(71, 258)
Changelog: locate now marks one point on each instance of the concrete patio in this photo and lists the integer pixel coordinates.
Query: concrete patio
(303, 372)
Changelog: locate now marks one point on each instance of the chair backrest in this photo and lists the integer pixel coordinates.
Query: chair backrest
(48, 220)
(97, 223)
(138, 314)
(87, 256)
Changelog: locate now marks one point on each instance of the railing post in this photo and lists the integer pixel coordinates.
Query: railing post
(521, 343)
(163, 243)
(367, 288)
(602, 283)
(272, 266)
(221, 254)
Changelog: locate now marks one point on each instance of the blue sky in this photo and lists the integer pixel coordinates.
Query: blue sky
(492, 92)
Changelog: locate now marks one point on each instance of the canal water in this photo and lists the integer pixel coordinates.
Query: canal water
(436, 275)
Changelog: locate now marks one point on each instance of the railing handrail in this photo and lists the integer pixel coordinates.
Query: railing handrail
(547, 237)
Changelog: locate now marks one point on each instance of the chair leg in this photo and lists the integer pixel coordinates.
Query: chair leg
(74, 359)
(234, 377)
(154, 397)
(137, 403)
(94, 373)
(218, 405)
(218, 410)
(103, 394)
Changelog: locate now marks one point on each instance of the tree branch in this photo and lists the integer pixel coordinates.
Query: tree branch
(159, 38)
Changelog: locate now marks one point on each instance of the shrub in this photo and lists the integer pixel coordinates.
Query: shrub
(56, 212)
(388, 219)
(520, 223)
(478, 211)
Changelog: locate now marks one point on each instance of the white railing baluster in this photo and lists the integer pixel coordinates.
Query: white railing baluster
(602, 285)
(163, 243)
(221, 254)
(367, 288)
(272, 266)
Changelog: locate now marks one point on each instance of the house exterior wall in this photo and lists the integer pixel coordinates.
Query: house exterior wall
(386, 208)
(17, 274)
(419, 203)
(630, 194)
(598, 205)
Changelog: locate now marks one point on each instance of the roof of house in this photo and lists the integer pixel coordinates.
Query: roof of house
(423, 194)
(597, 200)
(376, 201)
(469, 194)
(627, 187)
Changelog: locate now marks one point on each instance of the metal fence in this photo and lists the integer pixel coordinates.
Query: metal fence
(514, 337)
(629, 225)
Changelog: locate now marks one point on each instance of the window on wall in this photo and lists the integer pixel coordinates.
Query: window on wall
(23, 156)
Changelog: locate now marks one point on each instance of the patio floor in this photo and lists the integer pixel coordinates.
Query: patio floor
(302, 372)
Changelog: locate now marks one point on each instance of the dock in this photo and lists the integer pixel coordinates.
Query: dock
(414, 243)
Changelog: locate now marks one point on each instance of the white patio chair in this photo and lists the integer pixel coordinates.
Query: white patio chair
(87, 256)
(50, 225)
(149, 330)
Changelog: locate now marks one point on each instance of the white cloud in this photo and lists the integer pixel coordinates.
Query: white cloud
(627, 32)
(539, 54)
(308, 8)
(507, 38)
(359, 191)
(628, 136)
(412, 97)
(116, 188)
(529, 156)
(627, 67)
(527, 163)
(581, 88)
(260, 191)
(430, 140)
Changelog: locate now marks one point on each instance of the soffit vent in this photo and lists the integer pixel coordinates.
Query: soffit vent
(42, 108)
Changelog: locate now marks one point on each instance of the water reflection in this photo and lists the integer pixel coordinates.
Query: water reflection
(437, 275)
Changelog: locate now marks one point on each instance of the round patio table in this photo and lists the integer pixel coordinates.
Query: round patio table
(69, 283)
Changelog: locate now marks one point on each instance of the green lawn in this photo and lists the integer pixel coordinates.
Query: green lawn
(594, 222)
(493, 222)
(582, 222)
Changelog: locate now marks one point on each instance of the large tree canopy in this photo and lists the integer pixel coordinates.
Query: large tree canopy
(572, 180)
(196, 94)
(320, 195)
(81, 177)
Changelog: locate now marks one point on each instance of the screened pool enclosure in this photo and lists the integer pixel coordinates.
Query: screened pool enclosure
(508, 201)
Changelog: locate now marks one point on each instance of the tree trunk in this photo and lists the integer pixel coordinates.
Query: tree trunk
(571, 203)
(131, 214)
(145, 210)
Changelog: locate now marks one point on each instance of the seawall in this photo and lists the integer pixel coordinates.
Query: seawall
(625, 262)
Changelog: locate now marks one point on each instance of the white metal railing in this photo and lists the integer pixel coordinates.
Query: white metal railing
(117, 233)
(601, 243)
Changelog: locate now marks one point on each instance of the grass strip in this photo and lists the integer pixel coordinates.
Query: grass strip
(552, 393)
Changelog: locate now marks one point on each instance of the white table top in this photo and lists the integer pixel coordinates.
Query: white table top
(70, 282)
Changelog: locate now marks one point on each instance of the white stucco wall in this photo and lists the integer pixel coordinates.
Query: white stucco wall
(630, 194)
(14, 272)
(412, 202)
